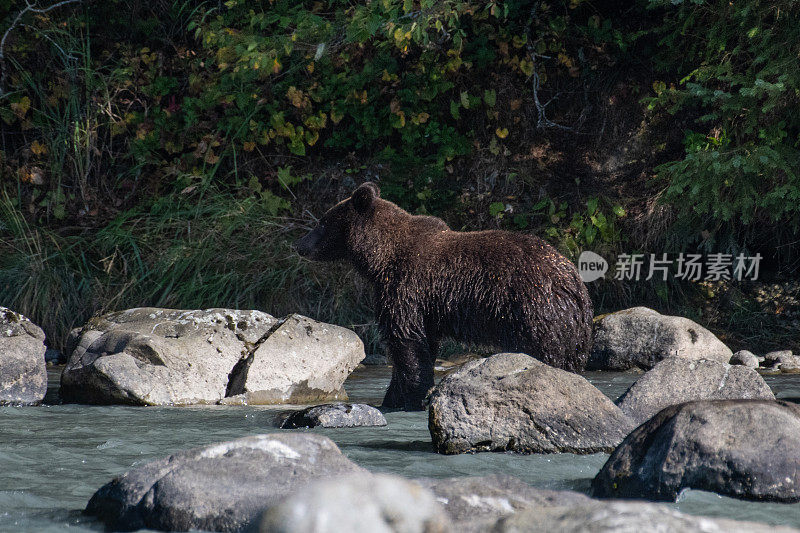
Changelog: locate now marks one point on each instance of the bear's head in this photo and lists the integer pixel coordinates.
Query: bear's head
(331, 239)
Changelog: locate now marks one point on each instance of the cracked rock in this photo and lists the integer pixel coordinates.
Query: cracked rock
(23, 374)
(301, 361)
(512, 402)
(640, 337)
(150, 356)
(676, 380)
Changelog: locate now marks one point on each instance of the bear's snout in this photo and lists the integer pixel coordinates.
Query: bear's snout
(301, 247)
(307, 245)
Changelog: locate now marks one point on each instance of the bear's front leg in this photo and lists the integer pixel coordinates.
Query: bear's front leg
(412, 374)
(394, 396)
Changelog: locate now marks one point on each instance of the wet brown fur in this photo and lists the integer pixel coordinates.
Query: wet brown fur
(494, 288)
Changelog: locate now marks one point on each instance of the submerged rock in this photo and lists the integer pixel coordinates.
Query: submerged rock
(747, 449)
(23, 372)
(512, 402)
(622, 517)
(358, 503)
(676, 380)
(336, 415)
(150, 356)
(782, 361)
(221, 487)
(474, 503)
(744, 358)
(779, 357)
(640, 337)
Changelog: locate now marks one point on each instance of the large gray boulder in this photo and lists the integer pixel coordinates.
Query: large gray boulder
(358, 503)
(337, 415)
(150, 356)
(512, 402)
(23, 372)
(677, 380)
(747, 449)
(640, 337)
(474, 503)
(622, 517)
(221, 487)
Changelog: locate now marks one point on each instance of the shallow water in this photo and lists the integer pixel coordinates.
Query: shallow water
(53, 457)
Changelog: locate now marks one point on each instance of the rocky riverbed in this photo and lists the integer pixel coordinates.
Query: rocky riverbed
(55, 456)
(223, 463)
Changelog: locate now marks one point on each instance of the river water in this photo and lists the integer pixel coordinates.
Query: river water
(53, 457)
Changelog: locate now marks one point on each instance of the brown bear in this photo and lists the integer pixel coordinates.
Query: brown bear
(493, 288)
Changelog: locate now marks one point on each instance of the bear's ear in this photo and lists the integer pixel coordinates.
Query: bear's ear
(365, 196)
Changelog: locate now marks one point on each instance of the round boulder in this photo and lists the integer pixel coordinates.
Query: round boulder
(512, 402)
(744, 358)
(221, 487)
(23, 371)
(677, 380)
(640, 337)
(748, 449)
(358, 503)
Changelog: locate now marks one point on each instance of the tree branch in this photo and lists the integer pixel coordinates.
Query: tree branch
(542, 121)
(29, 8)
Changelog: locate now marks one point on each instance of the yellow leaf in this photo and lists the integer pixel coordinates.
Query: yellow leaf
(296, 97)
(420, 118)
(38, 148)
(249, 146)
(526, 67)
(310, 68)
(501, 132)
(276, 66)
(21, 107)
(336, 116)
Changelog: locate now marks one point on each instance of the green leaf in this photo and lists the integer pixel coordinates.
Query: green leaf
(454, 109)
(495, 208)
(490, 97)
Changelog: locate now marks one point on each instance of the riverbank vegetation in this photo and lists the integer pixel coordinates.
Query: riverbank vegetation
(166, 153)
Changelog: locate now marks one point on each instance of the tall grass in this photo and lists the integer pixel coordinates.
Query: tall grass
(185, 251)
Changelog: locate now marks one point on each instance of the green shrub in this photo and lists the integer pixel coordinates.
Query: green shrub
(737, 72)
